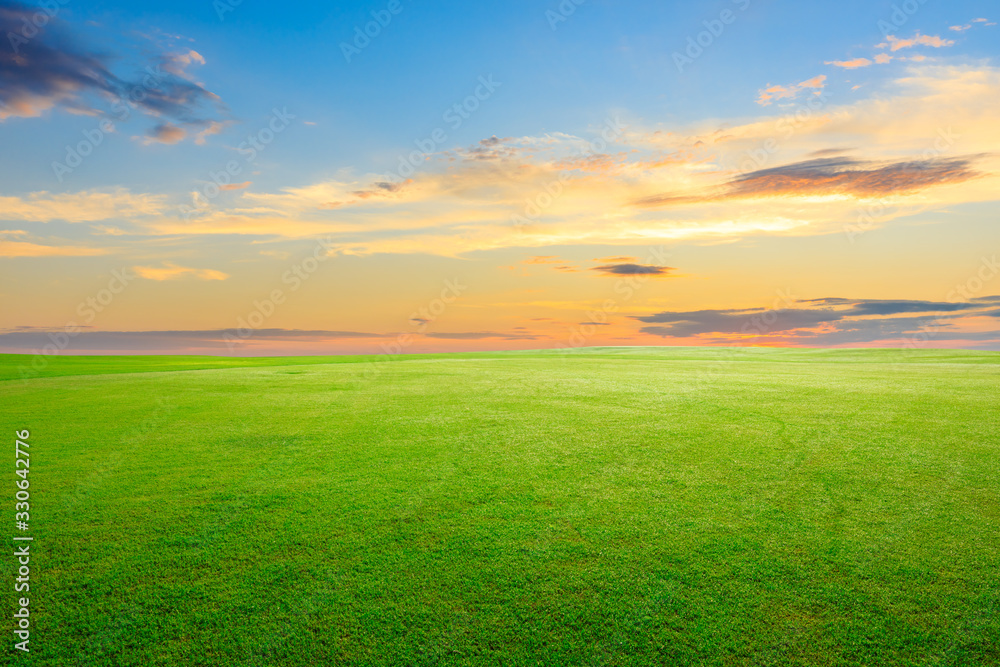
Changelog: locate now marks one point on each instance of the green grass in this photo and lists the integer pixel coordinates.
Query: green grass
(674, 506)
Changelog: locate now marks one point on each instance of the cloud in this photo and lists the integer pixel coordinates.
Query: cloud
(883, 58)
(633, 270)
(834, 176)
(894, 307)
(50, 70)
(165, 133)
(235, 186)
(492, 148)
(826, 321)
(895, 44)
(850, 64)
(963, 28)
(765, 95)
(684, 324)
(85, 206)
(27, 249)
(25, 340)
(170, 271)
(713, 176)
(213, 127)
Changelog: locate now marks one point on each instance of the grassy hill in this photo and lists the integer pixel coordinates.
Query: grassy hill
(613, 506)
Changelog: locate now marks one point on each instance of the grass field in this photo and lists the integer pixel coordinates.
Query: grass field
(674, 506)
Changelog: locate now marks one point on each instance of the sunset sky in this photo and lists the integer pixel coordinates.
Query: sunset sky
(227, 177)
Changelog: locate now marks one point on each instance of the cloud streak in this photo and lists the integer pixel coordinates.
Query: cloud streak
(835, 176)
(51, 70)
(171, 271)
(826, 321)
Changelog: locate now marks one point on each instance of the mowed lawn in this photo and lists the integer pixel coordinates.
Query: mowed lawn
(674, 506)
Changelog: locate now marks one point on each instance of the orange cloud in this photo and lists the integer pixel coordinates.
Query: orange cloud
(165, 133)
(86, 206)
(171, 271)
(896, 44)
(236, 186)
(27, 249)
(214, 127)
(765, 96)
(850, 64)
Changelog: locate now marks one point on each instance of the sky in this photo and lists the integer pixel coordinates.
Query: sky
(236, 177)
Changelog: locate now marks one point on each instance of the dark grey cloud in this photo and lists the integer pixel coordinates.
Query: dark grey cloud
(893, 307)
(633, 270)
(918, 329)
(840, 321)
(694, 322)
(35, 339)
(380, 189)
(833, 175)
(490, 149)
(50, 69)
(826, 152)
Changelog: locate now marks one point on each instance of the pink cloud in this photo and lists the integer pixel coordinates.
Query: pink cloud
(917, 40)
(765, 96)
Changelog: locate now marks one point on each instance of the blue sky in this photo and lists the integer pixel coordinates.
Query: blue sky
(604, 57)
(561, 73)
